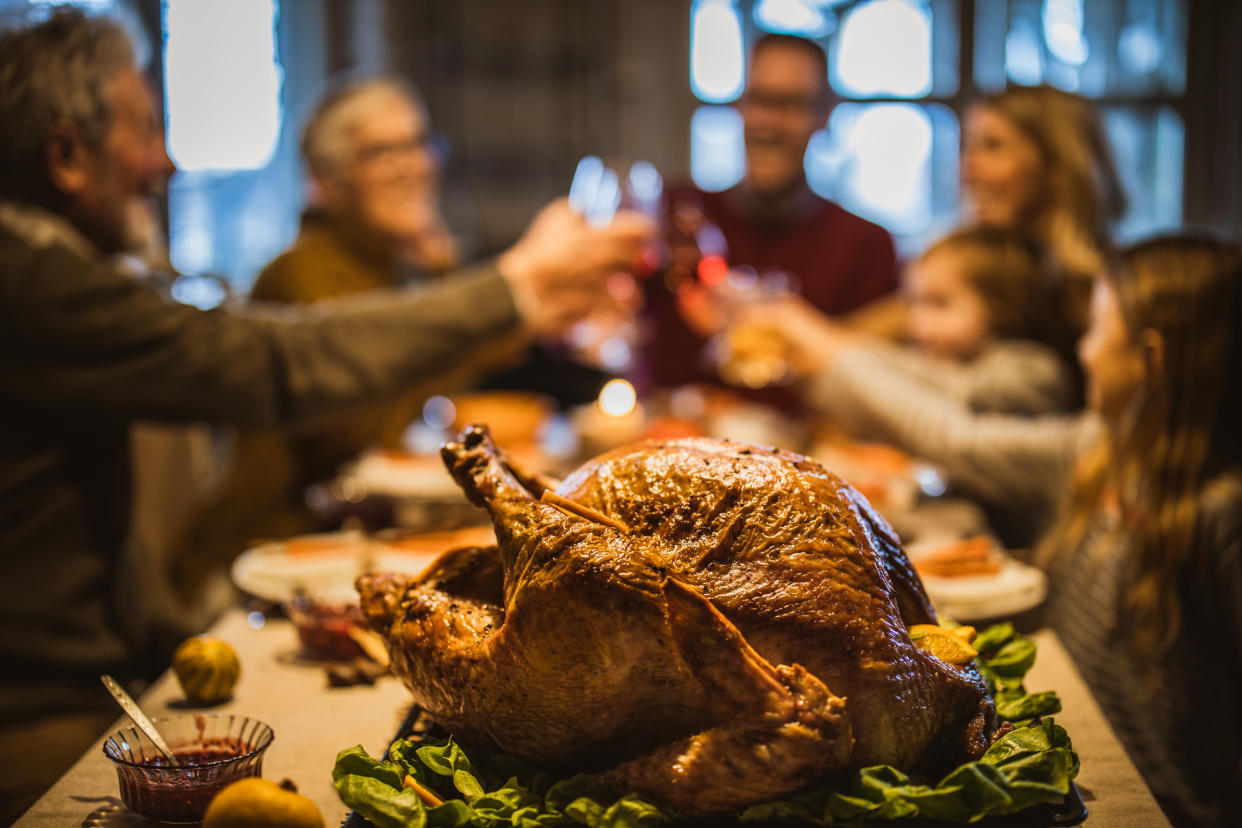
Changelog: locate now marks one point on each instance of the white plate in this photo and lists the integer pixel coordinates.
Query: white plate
(326, 566)
(1017, 587)
(398, 474)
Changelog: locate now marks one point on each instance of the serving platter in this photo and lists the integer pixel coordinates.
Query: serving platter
(1067, 811)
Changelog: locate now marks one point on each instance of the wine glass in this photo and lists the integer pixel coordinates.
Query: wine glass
(746, 353)
(608, 337)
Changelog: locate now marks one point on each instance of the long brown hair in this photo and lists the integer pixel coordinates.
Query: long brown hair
(1184, 431)
(1083, 196)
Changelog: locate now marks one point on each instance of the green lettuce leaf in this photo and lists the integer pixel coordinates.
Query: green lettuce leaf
(993, 638)
(1033, 763)
(376, 790)
(1013, 660)
(1016, 705)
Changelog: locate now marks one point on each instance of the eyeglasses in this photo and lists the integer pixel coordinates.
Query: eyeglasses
(434, 144)
(784, 104)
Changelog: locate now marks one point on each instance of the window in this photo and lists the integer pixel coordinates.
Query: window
(883, 49)
(716, 52)
(224, 94)
(890, 151)
(876, 160)
(1130, 55)
(222, 84)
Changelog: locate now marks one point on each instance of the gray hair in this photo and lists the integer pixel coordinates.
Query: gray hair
(326, 137)
(55, 71)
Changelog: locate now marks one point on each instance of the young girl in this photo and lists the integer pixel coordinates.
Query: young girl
(980, 309)
(1145, 557)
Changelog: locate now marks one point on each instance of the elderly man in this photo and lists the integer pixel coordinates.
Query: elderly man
(772, 220)
(372, 222)
(373, 218)
(85, 350)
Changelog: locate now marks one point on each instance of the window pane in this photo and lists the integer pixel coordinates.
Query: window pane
(945, 172)
(229, 224)
(946, 46)
(877, 160)
(884, 48)
(1102, 47)
(221, 83)
(1148, 143)
(799, 17)
(717, 151)
(717, 59)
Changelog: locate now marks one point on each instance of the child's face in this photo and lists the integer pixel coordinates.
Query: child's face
(948, 318)
(1111, 357)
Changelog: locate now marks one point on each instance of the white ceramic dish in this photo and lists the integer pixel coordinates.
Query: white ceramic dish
(325, 567)
(1015, 588)
(396, 474)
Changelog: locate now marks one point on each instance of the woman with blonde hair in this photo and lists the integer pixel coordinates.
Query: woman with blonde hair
(1145, 553)
(1036, 159)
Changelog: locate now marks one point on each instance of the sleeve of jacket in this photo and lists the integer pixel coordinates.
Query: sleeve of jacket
(75, 333)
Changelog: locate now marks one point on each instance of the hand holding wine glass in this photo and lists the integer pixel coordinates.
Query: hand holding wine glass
(558, 270)
(785, 337)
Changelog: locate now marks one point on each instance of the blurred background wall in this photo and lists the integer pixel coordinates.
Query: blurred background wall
(521, 90)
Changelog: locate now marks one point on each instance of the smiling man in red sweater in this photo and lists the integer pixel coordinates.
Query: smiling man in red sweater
(772, 220)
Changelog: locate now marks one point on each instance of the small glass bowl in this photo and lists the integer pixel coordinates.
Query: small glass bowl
(324, 627)
(212, 749)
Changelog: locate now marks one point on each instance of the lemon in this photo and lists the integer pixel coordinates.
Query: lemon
(261, 803)
(966, 633)
(952, 646)
(207, 669)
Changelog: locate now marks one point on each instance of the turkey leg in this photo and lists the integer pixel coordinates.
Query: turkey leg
(780, 729)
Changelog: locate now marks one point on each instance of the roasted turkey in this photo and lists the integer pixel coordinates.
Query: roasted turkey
(708, 623)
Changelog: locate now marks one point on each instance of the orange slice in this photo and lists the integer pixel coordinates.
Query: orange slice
(947, 645)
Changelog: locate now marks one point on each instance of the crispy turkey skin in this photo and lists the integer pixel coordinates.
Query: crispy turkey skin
(722, 624)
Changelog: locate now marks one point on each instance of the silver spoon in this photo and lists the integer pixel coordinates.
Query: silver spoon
(139, 718)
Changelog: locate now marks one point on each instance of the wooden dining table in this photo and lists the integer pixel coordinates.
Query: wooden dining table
(314, 721)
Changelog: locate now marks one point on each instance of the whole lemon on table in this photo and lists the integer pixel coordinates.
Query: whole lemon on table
(207, 669)
(261, 803)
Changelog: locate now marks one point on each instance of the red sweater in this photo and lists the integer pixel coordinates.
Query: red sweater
(840, 260)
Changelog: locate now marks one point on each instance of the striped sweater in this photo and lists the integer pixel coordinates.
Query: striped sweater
(1184, 729)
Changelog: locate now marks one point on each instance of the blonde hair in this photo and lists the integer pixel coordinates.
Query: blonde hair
(1083, 194)
(1183, 434)
(1004, 267)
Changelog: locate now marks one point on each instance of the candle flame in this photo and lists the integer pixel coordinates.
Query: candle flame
(617, 398)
